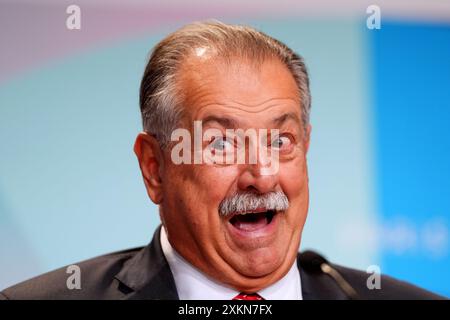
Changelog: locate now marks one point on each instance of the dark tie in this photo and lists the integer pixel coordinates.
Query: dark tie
(248, 296)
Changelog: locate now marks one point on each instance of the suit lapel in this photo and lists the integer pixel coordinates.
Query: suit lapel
(148, 275)
(319, 286)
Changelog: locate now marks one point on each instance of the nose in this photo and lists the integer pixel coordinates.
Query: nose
(252, 178)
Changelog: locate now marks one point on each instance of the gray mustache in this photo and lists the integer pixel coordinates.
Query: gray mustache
(242, 202)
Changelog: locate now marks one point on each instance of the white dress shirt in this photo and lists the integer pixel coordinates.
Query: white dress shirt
(192, 284)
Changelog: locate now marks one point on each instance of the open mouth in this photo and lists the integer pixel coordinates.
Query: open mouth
(252, 221)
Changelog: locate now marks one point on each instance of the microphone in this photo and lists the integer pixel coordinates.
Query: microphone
(313, 262)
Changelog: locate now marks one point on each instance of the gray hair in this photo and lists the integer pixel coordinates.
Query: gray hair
(248, 201)
(161, 98)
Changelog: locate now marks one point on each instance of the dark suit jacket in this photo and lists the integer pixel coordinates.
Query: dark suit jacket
(143, 273)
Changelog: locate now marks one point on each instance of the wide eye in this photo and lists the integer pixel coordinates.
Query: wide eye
(281, 142)
(221, 144)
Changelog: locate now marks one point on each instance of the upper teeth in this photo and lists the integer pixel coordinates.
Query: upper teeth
(247, 212)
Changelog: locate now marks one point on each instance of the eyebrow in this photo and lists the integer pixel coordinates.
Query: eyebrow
(285, 117)
(224, 122)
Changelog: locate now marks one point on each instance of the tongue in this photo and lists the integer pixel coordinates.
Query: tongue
(250, 222)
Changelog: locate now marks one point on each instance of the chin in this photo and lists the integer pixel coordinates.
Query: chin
(262, 262)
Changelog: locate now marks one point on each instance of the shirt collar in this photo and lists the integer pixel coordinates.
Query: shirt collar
(192, 284)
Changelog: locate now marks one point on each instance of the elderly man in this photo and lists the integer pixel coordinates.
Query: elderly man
(213, 97)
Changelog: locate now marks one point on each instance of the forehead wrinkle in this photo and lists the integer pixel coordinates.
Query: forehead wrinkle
(205, 94)
(263, 102)
(243, 109)
(230, 121)
(196, 95)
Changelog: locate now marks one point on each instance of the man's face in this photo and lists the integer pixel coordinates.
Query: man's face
(247, 252)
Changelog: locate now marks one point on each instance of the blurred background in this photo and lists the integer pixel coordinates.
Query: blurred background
(70, 186)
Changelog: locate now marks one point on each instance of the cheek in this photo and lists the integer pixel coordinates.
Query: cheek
(199, 188)
(293, 177)
(294, 182)
(214, 182)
